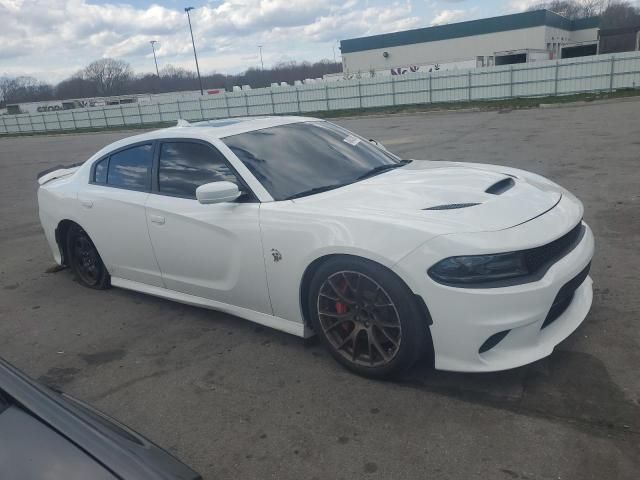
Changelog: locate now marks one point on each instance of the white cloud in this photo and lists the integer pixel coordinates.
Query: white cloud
(448, 16)
(520, 5)
(60, 36)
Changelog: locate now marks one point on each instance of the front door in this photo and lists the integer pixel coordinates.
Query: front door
(210, 251)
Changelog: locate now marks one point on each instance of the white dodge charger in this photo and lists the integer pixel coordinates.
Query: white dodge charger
(303, 226)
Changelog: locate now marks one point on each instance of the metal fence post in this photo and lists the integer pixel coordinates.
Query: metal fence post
(246, 103)
(121, 114)
(104, 114)
(613, 70)
(273, 104)
(555, 87)
(73, 119)
(430, 87)
(510, 81)
(58, 118)
(393, 89)
(469, 84)
(226, 105)
(139, 113)
(199, 104)
(4, 124)
(326, 95)
(360, 91)
(298, 98)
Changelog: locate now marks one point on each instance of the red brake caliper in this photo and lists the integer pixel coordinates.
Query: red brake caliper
(342, 307)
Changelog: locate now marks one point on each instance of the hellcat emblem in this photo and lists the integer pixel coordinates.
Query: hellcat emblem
(277, 256)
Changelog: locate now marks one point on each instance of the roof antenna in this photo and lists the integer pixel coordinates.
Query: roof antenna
(182, 123)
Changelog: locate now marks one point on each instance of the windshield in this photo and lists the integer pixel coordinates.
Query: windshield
(305, 158)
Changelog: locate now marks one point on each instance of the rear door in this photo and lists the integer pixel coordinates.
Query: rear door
(210, 251)
(112, 211)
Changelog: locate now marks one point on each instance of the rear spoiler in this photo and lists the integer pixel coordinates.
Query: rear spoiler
(57, 172)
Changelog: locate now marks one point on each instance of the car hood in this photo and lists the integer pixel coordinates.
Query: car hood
(455, 196)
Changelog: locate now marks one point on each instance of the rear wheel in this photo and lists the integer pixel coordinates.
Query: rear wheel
(367, 317)
(85, 261)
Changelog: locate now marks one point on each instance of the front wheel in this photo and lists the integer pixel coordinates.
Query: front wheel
(85, 261)
(367, 317)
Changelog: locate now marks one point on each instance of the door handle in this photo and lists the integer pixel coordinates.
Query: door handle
(159, 219)
(86, 203)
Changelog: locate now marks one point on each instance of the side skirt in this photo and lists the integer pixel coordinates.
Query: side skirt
(271, 321)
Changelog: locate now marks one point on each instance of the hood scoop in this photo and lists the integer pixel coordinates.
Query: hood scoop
(500, 187)
(452, 206)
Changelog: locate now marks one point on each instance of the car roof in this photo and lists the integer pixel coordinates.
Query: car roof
(220, 128)
(207, 130)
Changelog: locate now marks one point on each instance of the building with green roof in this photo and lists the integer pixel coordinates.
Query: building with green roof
(517, 38)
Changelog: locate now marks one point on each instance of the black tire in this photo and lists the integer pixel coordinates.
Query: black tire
(340, 307)
(84, 260)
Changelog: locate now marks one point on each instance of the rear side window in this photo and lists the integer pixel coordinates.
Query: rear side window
(130, 168)
(101, 171)
(184, 166)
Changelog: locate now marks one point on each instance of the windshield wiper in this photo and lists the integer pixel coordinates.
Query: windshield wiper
(383, 168)
(315, 190)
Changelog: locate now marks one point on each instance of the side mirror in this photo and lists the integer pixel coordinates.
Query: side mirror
(217, 192)
(377, 144)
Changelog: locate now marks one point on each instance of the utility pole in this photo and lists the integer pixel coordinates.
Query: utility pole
(153, 47)
(261, 62)
(195, 55)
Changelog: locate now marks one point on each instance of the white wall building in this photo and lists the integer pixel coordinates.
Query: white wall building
(518, 38)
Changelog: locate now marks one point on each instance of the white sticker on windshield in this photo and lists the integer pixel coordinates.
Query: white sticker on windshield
(351, 140)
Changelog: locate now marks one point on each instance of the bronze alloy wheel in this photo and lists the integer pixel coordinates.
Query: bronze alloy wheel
(359, 319)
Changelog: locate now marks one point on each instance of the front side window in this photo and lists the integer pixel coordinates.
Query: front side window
(130, 168)
(300, 158)
(184, 166)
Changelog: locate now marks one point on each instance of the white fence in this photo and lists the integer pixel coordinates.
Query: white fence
(586, 74)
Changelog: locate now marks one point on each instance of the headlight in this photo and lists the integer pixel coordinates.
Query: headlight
(479, 268)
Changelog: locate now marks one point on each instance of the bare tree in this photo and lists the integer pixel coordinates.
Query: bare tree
(76, 86)
(112, 77)
(572, 9)
(109, 75)
(620, 14)
(24, 89)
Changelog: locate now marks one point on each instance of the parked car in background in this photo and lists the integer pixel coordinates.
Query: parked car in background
(49, 435)
(303, 226)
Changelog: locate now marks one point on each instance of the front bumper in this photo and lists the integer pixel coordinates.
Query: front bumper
(464, 319)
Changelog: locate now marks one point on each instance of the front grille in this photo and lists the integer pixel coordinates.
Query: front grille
(564, 297)
(540, 257)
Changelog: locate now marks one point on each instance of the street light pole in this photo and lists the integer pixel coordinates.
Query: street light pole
(261, 62)
(195, 55)
(153, 47)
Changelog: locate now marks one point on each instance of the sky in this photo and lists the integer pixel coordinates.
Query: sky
(52, 39)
